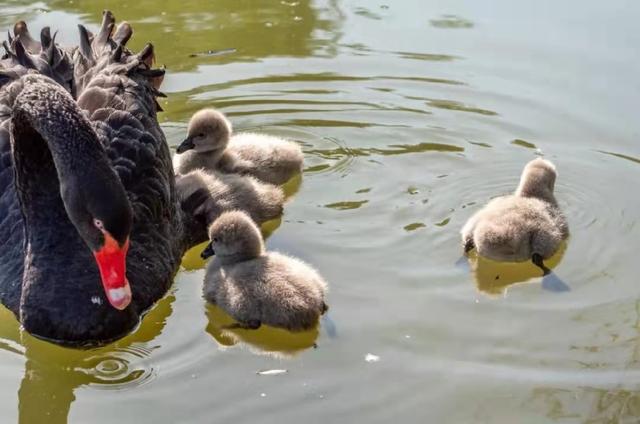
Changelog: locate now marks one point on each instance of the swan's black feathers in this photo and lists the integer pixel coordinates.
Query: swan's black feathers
(44, 57)
(116, 89)
(119, 97)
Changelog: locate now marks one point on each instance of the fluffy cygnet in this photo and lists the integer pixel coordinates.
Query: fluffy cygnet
(527, 225)
(210, 145)
(257, 287)
(206, 195)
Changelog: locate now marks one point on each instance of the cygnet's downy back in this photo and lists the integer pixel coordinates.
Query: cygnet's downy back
(527, 225)
(204, 196)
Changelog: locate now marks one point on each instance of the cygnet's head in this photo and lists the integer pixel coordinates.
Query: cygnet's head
(538, 180)
(234, 237)
(208, 131)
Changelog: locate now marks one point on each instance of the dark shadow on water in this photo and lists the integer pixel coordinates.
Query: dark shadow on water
(329, 326)
(551, 282)
(463, 264)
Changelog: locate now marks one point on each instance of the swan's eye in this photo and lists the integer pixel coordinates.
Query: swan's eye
(98, 224)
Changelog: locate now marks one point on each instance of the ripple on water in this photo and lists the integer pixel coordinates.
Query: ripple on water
(122, 368)
(590, 208)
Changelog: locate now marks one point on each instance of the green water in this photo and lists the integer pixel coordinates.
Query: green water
(412, 114)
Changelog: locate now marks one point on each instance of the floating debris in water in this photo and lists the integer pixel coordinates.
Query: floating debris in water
(211, 53)
(414, 226)
(343, 206)
(451, 22)
(272, 372)
(263, 395)
(370, 357)
(523, 143)
(443, 222)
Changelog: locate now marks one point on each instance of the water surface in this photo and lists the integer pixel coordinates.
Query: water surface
(412, 114)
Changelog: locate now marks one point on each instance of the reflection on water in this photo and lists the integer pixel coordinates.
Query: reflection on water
(52, 374)
(265, 340)
(184, 28)
(493, 278)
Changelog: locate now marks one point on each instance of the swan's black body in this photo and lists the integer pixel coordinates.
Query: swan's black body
(48, 139)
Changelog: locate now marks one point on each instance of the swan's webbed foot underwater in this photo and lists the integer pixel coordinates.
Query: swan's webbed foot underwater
(468, 245)
(539, 262)
(252, 324)
(550, 281)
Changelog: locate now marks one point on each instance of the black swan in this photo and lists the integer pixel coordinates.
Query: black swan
(91, 229)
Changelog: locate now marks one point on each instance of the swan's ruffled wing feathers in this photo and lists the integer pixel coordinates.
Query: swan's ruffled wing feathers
(23, 54)
(120, 102)
(118, 89)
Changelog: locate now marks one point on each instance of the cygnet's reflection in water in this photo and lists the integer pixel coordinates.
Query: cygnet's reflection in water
(493, 278)
(265, 340)
(292, 186)
(52, 373)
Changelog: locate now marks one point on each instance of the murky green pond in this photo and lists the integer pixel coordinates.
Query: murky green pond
(412, 114)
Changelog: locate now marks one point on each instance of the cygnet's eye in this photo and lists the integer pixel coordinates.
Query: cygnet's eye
(215, 239)
(201, 135)
(98, 224)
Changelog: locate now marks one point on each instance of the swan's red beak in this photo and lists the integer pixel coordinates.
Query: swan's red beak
(112, 262)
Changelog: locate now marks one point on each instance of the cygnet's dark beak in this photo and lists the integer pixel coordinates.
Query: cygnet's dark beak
(207, 252)
(187, 144)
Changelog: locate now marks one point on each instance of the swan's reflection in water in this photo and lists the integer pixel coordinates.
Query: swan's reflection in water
(265, 340)
(53, 373)
(493, 278)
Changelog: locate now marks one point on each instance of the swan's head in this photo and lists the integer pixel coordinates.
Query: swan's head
(98, 207)
(538, 180)
(234, 236)
(208, 131)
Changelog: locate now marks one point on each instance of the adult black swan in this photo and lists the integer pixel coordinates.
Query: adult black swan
(91, 230)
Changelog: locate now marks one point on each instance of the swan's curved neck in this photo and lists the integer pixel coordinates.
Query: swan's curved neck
(44, 112)
(55, 149)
